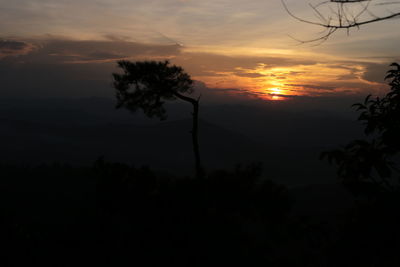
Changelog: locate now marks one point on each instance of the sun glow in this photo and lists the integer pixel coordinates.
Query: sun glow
(284, 83)
(275, 93)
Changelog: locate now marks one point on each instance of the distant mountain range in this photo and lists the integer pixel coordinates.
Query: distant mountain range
(166, 145)
(78, 132)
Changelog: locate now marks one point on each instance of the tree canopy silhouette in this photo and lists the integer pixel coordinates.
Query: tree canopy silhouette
(146, 85)
(334, 15)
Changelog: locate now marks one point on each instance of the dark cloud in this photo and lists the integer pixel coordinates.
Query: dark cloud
(116, 38)
(60, 68)
(56, 69)
(224, 95)
(283, 96)
(345, 77)
(14, 48)
(206, 73)
(249, 75)
(375, 72)
(295, 73)
(312, 86)
(103, 55)
(11, 45)
(86, 51)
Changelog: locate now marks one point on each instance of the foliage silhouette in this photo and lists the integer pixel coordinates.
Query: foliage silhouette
(146, 84)
(369, 169)
(115, 214)
(369, 166)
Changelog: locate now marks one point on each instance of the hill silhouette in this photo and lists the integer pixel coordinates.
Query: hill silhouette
(70, 131)
(80, 144)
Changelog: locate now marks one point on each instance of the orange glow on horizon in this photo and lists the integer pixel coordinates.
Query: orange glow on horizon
(283, 83)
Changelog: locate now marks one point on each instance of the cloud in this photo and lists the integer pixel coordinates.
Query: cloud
(312, 86)
(210, 95)
(375, 72)
(7, 45)
(14, 48)
(60, 68)
(116, 38)
(201, 64)
(73, 51)
(283, 96)
(258, 75)
(249, 74)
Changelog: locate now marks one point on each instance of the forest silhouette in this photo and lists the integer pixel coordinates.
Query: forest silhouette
(115, 214)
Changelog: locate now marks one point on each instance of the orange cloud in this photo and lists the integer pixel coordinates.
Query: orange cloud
(271, 80)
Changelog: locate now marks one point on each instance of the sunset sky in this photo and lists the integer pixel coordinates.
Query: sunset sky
(69, 48)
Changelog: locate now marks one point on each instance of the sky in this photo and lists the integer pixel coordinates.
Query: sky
(232, 48)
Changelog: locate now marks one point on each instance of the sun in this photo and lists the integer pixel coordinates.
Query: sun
(275, 91)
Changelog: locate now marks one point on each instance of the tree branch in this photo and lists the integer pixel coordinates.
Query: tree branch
(343, 17)
(185, 98)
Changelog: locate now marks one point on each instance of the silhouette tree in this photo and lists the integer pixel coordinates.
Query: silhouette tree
(334, 15)
(368, 166)
(146, 84)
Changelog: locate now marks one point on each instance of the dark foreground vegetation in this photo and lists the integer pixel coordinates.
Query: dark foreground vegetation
(117, 215)
(112, 214)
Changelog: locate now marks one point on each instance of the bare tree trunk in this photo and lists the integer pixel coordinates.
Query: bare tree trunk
(195, 133)
(195, 140)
